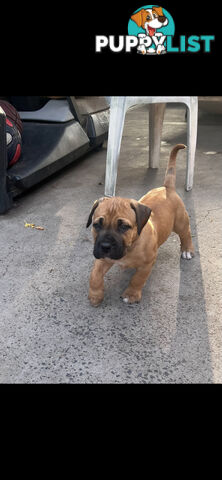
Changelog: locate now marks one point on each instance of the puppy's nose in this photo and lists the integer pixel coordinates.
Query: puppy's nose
(106, 246)
(161, 18)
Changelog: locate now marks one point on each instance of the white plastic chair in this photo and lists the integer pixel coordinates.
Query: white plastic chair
(118, 109)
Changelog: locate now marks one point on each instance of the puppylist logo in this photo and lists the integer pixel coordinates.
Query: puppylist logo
(151, 25)
(151, 29)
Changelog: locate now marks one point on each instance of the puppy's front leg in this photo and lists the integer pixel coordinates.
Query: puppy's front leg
(133, 293)
(96, 290)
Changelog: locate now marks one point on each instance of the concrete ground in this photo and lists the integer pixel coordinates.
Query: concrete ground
(49, 333)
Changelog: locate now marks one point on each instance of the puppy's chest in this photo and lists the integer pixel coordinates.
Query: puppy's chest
(124, 265)
(131, 260)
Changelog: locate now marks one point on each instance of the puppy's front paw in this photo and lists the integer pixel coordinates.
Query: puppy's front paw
(160, 49)
(95, 299)
(187, 255)
(131, 296)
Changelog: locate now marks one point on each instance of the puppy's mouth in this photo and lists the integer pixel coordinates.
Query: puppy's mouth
(150, 30)
(111, 256)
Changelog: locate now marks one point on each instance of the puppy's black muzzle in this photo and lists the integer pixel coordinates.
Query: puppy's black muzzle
(109, 245)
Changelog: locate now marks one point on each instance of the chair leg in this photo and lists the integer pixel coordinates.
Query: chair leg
(117, 117)
(155, 132)
(191, 141)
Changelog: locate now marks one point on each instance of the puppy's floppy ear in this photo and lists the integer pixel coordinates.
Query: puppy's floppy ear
(158, 11)
(95, 205)
(142, 214)
(138, 17)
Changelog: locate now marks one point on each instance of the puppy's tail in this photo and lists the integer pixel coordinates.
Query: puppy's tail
(170, 177)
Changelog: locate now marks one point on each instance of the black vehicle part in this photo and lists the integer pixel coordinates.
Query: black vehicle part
(61, 144)
(5, 197)
(54, 135)
(27, 103)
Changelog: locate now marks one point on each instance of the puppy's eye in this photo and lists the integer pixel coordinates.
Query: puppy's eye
(124, 228)
(148, 17)
(155, 15)
(99, 224)
(97, 227)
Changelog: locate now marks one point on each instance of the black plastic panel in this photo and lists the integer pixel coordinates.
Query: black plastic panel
(46, 149)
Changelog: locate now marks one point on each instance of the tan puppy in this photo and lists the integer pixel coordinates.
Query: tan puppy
(128, 233)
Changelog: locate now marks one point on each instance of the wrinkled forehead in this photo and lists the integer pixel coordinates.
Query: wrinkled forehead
(112, 209)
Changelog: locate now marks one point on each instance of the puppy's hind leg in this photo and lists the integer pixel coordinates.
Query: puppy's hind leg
(182, 228)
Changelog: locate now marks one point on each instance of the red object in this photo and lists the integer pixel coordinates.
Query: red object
(13, 132)
(10, 124)
(16, 156)
(151, 31)
(12, 114)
